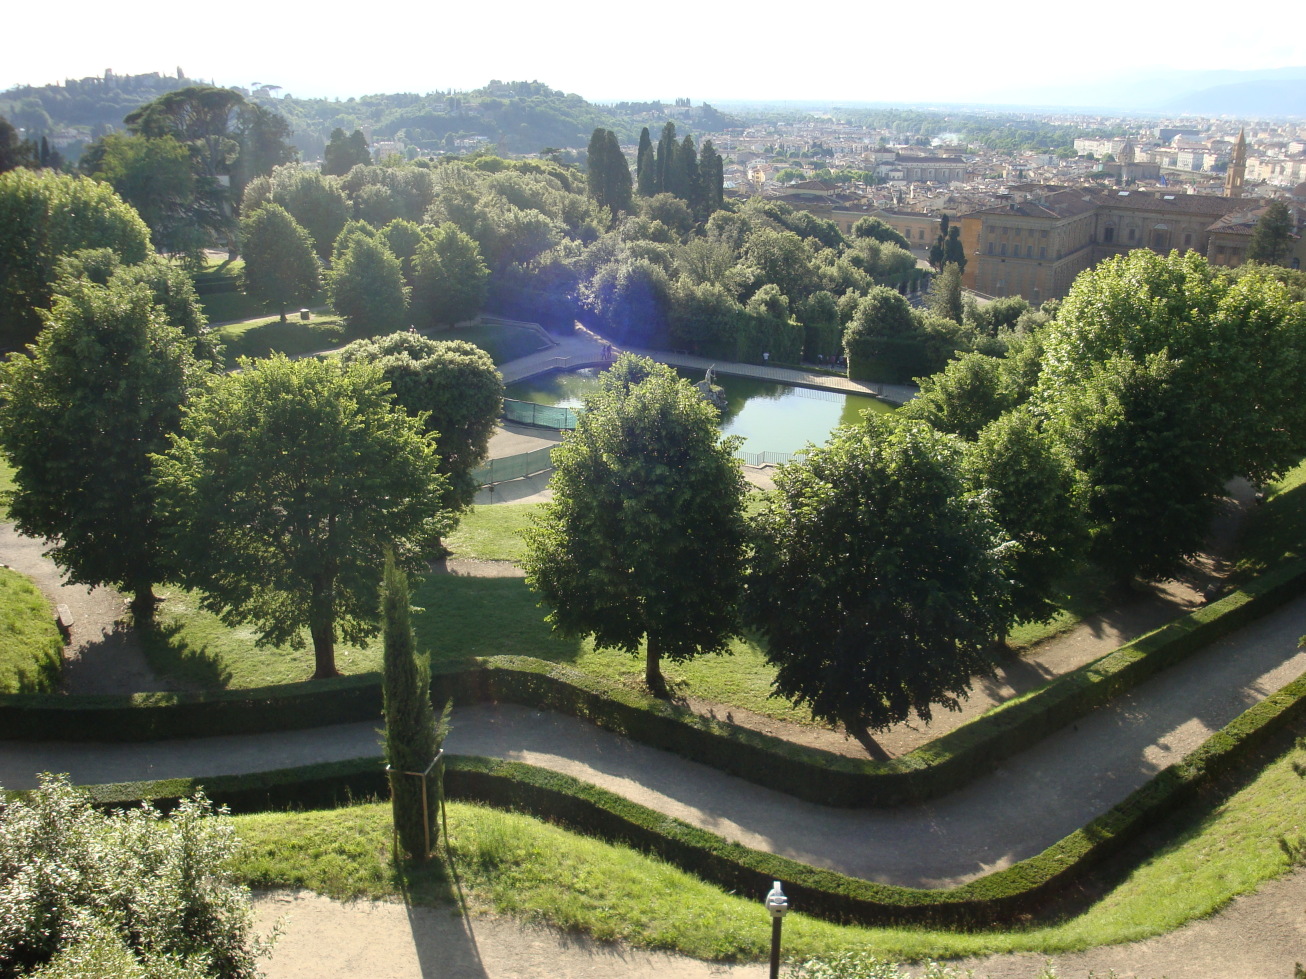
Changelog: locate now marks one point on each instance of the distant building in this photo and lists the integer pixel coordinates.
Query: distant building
(1039, 238)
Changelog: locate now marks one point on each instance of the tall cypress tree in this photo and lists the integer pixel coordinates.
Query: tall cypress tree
(646, 165)
(687, 174)
(411, 739)
(666, 157)
(711, 175)
(618, 180)
(596, 167)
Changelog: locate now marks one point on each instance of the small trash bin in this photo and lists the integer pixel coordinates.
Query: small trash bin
(304, 314)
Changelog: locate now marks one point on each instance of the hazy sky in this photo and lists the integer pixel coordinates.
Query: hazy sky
(948, 51)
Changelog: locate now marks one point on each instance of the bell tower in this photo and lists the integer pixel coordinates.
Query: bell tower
(1233, 180)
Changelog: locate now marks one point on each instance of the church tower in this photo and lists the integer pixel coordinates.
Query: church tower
(1233, 180)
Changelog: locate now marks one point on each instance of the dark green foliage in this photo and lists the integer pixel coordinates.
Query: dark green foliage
(286, 484)
(366, 287)
(1165, 377)
(964, 397)
(1033, 492)
(156, 178)
(1001, 313)
(343, 153)
(1271, 242)
(646, 165)
(711, 175)
(877, 230)
(875, 581)
(664, 161)
(102, 390)
(15, 152)
(45, 216)
(455, 386)
(643, 540)
(631, 300)
(410, 735)
(281, 269)
(402, 238)
(314, 201)
(882, 314)
(945, 294)
(449, 278)
(609, 174)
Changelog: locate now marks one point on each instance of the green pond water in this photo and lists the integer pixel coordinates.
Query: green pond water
(771, 417)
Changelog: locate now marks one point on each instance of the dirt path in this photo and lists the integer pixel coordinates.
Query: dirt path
(102, 654)
(1258, 936)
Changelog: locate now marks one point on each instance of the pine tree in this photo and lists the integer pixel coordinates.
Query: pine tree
(1271, 242)
(411, 738)
(645, 165)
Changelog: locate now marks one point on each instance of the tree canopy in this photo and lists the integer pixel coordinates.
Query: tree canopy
(285, 486)
(453, 386)
(78, 420)
(45, 216)
(643, 540)
(876, 579)
(280, 267)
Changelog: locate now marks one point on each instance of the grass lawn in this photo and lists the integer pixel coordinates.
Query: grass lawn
(6, 486)
(264, 335)
(513, 864)
(1276, 529)
(503, 343)
(31, 649)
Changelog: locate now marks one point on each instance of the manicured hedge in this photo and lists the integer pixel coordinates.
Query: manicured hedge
(996, 899)
(932, 770)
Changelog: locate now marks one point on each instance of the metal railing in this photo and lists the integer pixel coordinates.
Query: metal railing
(541, 416)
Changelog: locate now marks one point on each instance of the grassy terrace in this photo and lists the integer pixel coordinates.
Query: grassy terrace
(512, 864)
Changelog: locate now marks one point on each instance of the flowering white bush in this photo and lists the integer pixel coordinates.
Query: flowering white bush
(124, 894)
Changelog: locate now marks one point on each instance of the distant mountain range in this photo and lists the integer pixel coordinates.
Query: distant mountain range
(1263, 93)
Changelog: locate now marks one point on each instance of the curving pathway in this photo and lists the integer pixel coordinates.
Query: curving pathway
(1034, 799)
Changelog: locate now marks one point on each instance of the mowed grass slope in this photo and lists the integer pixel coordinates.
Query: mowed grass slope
(513, 864)
(31, 649)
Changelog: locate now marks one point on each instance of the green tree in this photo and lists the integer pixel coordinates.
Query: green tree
(646, 165)
(102, 389)
(280, 267)
(877, 230)
(16, 152)
(876, 580)
(711, 172)
(125, 893)
(154, 176)
(609, 174)
(1271, 242)
(45, 216)
(315, 202)
(411, 736)
(1033, 491)
(286, 485)
(945, 294)
(664, 161)
(454, 387)
(343, 153)
(964, 397)
(366, 287)
(643, 540)
(449, 277)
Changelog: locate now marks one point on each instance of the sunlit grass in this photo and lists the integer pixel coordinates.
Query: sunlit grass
(513, 864)
(31, 649)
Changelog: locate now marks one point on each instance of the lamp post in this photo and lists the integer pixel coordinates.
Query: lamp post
(777, 904)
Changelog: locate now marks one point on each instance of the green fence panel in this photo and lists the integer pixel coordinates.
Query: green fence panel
(514, 467)
(542, 416)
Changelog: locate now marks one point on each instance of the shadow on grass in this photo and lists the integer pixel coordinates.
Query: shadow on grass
(187, 665)
(467, 617)
(292, 337)
(1274, 532)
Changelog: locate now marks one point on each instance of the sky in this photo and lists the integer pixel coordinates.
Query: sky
(641, 51)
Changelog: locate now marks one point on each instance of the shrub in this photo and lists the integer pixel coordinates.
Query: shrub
(82, 891)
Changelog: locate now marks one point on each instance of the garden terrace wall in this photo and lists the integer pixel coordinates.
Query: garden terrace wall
(1025, 889)
(939, 767)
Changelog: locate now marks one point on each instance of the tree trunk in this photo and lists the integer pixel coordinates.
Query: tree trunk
(321, 626)
(858, 731)
(143, 604)
(652, 669)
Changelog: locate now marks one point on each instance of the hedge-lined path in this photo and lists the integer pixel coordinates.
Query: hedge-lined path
(1034, 799)
(1258, 936)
